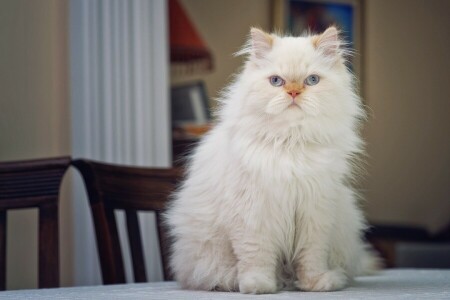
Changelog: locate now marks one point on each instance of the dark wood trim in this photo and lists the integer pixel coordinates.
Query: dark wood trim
(35, 164)
(108, 244)
(116, 187)
(34, 184)
(385, 237)
(3, 230)
(136, 249)
(26, 202)
(48, 245)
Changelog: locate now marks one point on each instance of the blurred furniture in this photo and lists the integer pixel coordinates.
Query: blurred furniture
(114, 187)
(191, 118)
(184, 140)
(34, 184)
(187, 49)
(410, 247)
(391, 284)
(181, 147)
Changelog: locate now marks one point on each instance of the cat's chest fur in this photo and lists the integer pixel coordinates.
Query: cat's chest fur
(292, 181)
(287, 160)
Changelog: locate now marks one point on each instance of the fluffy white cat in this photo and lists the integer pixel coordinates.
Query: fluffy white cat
(267, 201)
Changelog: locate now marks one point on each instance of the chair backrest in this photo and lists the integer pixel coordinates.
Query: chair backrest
(34, 184)
(131, 189)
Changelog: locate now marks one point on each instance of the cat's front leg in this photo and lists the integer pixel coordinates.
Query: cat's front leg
(314, 278)
(313, 272)
(256, 265)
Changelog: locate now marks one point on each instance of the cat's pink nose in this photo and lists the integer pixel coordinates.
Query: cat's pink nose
(293, 93)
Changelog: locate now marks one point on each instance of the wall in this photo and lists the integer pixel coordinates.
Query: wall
(33, 116)
(224, 26)
(407, 71)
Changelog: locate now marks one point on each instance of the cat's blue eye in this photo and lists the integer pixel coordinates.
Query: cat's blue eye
(276, 80)
(312, 80)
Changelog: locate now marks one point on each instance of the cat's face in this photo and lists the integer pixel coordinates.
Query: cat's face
(296, 78)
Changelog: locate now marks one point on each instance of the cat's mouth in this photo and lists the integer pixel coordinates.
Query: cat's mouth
(293, 104)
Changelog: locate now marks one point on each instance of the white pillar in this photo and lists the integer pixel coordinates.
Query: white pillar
(120, 107)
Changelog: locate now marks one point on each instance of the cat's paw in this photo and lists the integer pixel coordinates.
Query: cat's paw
(331, 280)
(257, 283)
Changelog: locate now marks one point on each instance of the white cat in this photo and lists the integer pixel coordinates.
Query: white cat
(267, 201)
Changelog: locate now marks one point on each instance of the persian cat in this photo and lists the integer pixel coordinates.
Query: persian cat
(267, 202)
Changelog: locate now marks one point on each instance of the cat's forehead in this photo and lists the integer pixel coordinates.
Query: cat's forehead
(295, 47)
(288, 52)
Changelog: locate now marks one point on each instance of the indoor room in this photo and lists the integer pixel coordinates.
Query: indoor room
(163, 142)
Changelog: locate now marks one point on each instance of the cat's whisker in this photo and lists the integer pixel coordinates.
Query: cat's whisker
(310, 105)
(277, 104)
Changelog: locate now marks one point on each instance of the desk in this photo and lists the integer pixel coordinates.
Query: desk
(391, 284)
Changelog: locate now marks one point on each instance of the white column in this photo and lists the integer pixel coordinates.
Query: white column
(120, 107)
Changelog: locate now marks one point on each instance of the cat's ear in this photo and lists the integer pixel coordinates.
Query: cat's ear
(261, 43)
(328, 43)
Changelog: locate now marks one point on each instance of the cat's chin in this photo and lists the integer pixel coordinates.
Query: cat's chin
(293, 106)
(292, 113)
(292, 109)
(291, 116)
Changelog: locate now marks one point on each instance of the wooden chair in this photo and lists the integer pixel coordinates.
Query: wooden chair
(34, 184)
(131, 189)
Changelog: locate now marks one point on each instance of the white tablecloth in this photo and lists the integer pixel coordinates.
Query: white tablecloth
(391, 284)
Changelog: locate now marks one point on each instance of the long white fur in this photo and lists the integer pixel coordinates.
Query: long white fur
(267, 201)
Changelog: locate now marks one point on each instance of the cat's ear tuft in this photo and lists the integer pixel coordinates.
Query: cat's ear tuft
(261, 43)
(328, 42)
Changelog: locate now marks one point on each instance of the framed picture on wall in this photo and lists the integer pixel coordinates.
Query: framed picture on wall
(300, 16)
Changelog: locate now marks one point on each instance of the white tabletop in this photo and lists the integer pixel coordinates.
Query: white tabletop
(391, 284)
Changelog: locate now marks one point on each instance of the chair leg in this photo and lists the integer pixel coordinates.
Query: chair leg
(108, 244)
(48, 246)
(3, 221)
(134, 239)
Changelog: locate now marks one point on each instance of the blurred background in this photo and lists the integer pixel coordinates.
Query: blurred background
(134, 82)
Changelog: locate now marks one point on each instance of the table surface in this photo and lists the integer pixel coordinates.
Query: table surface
(396, 283)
